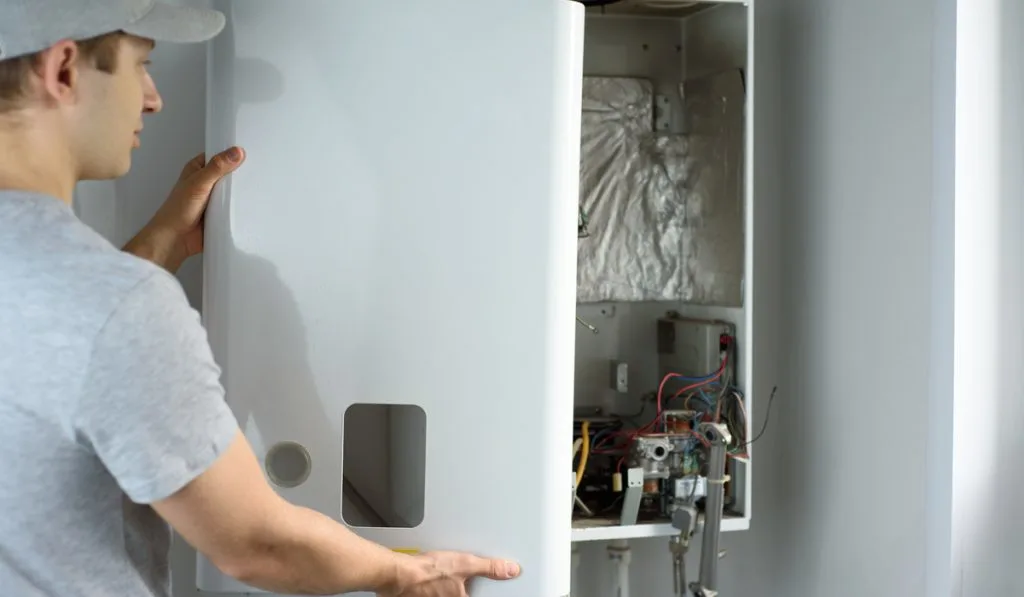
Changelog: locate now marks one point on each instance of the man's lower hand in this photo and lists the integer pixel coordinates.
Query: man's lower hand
(446, 574)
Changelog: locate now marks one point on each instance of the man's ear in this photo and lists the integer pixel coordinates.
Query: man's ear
(59, 72)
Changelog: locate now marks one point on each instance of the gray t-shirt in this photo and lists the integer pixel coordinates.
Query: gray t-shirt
(109, 400)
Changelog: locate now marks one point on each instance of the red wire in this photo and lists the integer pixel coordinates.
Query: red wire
(727, 340)
(661, 389)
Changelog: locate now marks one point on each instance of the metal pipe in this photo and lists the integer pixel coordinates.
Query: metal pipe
(719, 437)
(619, 554)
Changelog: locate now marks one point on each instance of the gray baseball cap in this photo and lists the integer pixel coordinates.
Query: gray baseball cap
(29, 26)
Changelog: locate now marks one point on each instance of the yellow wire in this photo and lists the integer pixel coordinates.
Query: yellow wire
(584, 453)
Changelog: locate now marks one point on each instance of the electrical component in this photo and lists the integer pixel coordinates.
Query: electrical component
(671, 464)
(686, 488)
(648, 472)
(692, 347)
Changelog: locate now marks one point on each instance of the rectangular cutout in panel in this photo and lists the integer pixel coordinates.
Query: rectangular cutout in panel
(384, 465)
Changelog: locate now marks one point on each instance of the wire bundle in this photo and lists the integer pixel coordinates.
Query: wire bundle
(711, 397)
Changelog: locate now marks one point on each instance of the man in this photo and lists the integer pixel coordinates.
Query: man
(114, 426)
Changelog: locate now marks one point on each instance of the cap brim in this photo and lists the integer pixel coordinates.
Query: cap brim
(178, 24)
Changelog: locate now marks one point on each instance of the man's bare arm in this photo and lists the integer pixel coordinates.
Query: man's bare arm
(231, 515)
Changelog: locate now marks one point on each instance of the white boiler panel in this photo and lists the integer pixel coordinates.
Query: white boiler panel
(403, 233)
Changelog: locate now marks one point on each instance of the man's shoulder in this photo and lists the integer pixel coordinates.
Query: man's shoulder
(49, 254)
(121, 285)
(118, 276)
(108, 275)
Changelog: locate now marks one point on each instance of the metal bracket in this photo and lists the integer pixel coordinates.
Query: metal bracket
(634, 489)
(662, 113)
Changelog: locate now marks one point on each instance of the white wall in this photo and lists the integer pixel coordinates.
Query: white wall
(988, 480)
(850, 483)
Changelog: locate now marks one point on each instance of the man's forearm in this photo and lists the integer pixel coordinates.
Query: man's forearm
(157, 248)
(307, 553)
(230, 514)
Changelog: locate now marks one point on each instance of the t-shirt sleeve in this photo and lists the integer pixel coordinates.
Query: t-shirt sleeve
(152, 405)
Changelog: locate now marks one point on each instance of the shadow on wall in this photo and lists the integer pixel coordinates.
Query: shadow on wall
(993, 562)
(275, 397)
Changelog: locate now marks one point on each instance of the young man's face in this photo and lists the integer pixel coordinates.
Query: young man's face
(107, 118)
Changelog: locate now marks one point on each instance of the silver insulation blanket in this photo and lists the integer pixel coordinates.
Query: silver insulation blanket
(664, 213)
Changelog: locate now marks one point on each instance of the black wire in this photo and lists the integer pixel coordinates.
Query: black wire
(613, 505)
(767, 414)
(734, 420)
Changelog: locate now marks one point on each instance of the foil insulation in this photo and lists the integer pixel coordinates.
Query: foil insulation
(715, 225)
(663, 212)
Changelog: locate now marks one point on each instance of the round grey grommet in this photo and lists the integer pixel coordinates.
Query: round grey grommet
(288, 464)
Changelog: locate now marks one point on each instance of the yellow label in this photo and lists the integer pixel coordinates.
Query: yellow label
(406, 550)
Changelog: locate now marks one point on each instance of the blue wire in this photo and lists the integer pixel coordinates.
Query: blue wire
(694, 379)
(598, 436)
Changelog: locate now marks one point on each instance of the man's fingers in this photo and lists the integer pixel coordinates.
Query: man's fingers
(222, 164)
(494, 569)
(194, 165)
